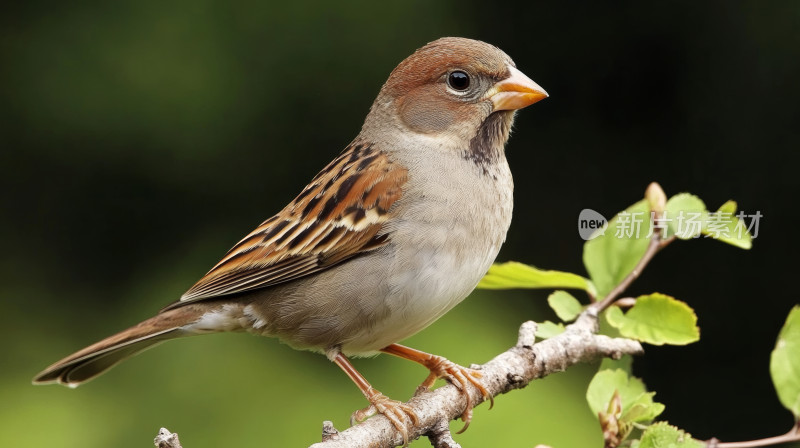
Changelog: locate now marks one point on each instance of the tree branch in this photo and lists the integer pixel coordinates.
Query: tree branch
(512, 369)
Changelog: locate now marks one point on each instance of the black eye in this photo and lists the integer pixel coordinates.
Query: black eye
(458, 80)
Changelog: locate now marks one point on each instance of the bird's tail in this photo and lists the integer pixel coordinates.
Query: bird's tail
(101, 356)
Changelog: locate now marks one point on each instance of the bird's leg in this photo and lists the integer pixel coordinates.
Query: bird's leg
(397, 412)
(443, 368)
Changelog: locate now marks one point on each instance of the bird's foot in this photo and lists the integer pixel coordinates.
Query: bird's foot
(458, 376)
(400, 414)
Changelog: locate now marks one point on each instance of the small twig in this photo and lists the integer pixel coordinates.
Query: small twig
(526, 336)
(440, 436)
(792, 436)
(329, 432)
(654, 246)
(166, 439)
(652, 249)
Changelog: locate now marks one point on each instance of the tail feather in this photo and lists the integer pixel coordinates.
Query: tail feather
(101, 356)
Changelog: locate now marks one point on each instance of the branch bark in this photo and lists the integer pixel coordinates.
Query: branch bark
(166, 439)
(512, 369)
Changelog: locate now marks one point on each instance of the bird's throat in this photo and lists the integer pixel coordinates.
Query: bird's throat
(488, 144)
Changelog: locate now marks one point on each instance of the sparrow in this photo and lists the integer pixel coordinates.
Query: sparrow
(387, 238)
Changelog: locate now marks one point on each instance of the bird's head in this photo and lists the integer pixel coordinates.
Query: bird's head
(455, 89)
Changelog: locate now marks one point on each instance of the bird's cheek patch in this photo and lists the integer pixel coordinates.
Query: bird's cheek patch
(426, 112)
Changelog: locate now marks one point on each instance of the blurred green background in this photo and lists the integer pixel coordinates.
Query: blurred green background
(140, 140)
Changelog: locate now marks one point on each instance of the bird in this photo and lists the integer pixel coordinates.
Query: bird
(397, 230)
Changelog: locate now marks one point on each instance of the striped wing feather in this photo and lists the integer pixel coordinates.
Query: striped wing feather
(337, 216)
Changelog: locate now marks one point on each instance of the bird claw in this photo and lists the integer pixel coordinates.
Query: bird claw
(400, 414)
(460, 377)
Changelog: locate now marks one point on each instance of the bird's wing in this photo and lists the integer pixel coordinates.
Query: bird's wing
(336, 217)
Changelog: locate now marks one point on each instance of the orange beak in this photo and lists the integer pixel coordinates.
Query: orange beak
(515, 92)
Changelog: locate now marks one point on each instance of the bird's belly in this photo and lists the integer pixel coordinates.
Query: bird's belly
(438, 267)
(427, 295)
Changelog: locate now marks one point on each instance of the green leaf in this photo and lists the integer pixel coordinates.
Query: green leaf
(728, 207)
(625, 363)
(663, 435)
(784, 363)
(656, 319)
(725, 226)
(685, 214)
(643, 409)
(547, 329)
(517, 275)
(612, 255)
(565, 305)
(603, 385)
(631, 392)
